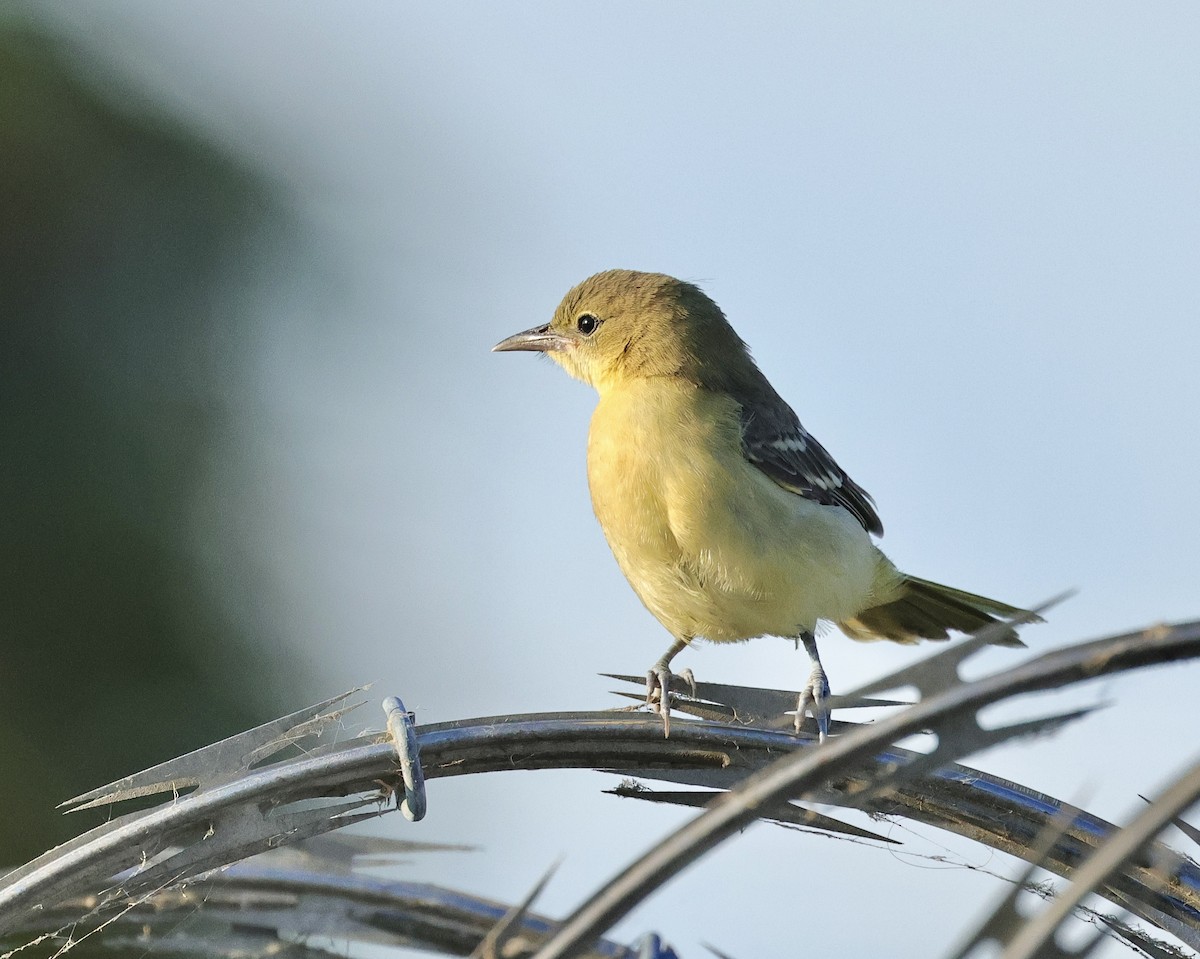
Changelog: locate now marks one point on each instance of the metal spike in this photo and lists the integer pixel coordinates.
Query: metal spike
(237, 833)
(219, 762)
(492, 945)
(960, 736)
(746, 705)
(1182, 825)
(784, 813)
(939, 672)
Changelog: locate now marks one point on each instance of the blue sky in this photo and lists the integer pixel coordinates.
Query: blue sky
(962, 241)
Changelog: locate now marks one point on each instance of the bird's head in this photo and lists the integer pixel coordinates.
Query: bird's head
(621, 325)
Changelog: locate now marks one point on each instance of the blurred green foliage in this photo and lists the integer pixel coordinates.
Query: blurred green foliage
(128, 250)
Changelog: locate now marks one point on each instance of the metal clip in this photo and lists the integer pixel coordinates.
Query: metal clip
(404, 739)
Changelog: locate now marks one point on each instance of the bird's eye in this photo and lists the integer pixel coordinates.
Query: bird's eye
(587, 323)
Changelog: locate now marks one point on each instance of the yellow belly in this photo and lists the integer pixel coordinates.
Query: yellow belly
(709, 543)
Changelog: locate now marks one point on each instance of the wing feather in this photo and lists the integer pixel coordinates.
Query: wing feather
(774, 440)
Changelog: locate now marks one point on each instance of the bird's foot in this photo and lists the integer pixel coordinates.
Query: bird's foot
(658, 690)
(815, 697)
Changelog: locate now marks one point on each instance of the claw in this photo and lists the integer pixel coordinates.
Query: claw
(659, 677)
(658, 691)
(815, 697)
(658, 680)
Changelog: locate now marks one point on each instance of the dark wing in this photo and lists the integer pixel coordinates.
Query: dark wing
(775, 442)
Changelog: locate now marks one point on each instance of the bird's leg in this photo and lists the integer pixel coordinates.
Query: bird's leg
(816, 693)
(658, 679)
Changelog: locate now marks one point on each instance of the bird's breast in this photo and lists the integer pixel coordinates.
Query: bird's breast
(710, 544)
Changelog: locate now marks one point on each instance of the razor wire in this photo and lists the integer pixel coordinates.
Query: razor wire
(284, 782)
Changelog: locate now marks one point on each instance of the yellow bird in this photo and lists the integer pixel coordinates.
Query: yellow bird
(727, 517)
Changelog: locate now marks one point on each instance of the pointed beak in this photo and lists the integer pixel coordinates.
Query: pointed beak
(538, 340)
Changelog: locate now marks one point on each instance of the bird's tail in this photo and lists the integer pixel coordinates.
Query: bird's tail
(925, 610)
